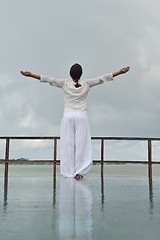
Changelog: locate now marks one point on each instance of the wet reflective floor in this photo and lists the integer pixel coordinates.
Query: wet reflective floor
(123, 204)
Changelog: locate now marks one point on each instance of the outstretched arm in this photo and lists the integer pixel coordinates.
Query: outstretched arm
(29, 74)
(121, 71)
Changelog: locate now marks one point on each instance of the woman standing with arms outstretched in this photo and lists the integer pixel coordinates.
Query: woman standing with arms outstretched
(75, 139)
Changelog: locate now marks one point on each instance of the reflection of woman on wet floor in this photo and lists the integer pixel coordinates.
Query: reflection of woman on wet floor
(75, 139)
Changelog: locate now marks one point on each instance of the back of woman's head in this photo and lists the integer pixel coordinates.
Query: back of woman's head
(76, 71)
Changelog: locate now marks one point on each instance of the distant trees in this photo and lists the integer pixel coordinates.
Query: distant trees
(21, 159)
(18, 159)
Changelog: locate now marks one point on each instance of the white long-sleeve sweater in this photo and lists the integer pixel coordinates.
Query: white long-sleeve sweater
(75, 99)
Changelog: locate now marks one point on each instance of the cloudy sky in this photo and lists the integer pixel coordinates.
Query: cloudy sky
(47, 37)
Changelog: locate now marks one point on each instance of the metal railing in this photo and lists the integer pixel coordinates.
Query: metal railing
(101, 161)
(102, 142)
(101, 139)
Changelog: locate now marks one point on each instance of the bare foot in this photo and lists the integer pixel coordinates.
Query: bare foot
(78, 177)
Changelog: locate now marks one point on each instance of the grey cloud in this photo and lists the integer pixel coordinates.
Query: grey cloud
(47, 37)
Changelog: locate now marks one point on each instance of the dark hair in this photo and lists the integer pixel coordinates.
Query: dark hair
(76, 71)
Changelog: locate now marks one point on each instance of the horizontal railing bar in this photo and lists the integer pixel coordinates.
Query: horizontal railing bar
(29, 137)
(93, 138)
(126, 138)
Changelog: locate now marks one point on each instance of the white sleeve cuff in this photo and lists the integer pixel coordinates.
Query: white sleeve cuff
(46, 79)
(107, 77)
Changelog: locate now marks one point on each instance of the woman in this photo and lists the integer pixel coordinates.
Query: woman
(75, 139)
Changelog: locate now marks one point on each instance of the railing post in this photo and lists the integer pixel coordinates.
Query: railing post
(55, 156)
(54, 170)
(7, 157)
(6, 171)
(102, 156)
(150, 171)
(102, 170)
(149, 151)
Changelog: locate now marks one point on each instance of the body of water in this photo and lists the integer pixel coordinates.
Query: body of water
(123, 205)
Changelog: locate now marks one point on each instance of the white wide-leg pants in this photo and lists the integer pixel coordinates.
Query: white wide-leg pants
(75, 144)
